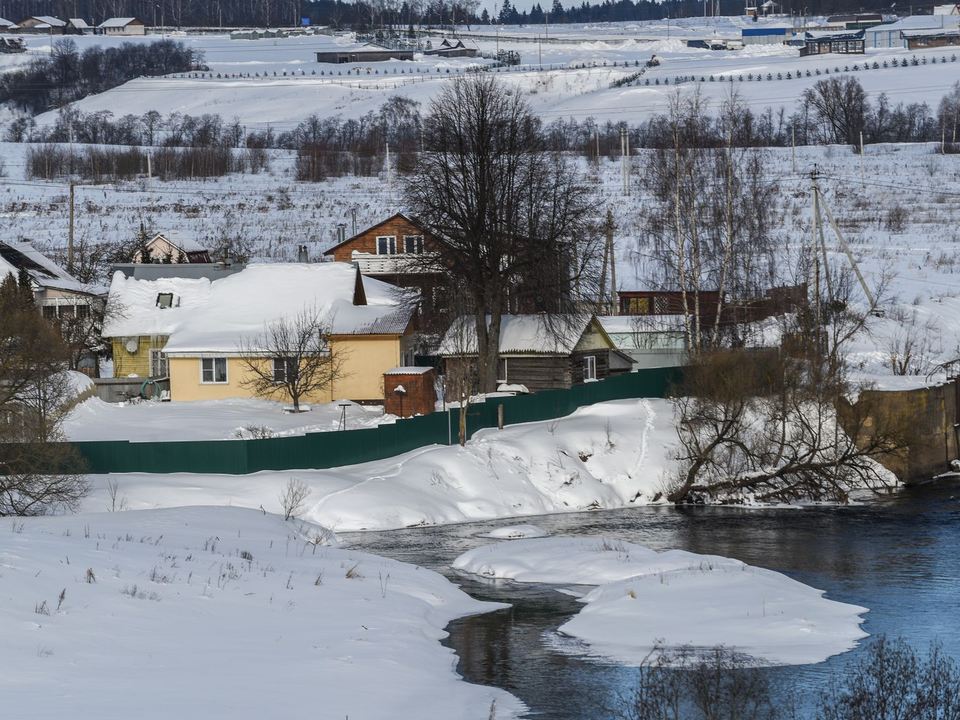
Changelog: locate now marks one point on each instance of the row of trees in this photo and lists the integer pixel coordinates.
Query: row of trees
(37, 474)
(67, 74)
(834, 110)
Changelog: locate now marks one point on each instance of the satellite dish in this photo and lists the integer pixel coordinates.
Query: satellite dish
(132, 346)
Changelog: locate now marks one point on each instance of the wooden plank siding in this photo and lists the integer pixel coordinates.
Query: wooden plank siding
(366, 241)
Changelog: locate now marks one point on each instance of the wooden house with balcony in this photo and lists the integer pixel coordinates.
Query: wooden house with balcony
(398, 251)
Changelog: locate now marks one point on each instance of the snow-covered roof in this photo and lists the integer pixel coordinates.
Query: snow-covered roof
(520, 334)
(218, 315)
(409, 370)
(180, 240)
(48, 21)
(629, 324)
(6, 23)
(834, 34)
(918, 22)
(42, 270)
(79, 23)
(933, 32)
(116, 22)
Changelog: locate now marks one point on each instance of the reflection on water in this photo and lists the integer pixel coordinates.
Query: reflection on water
(899, 557)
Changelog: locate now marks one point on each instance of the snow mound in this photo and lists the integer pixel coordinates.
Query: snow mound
(216, 602)
(515, 532)
(675, 598)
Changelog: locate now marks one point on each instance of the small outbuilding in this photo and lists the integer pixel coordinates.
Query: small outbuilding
(122, 26)
(410, 390)
(362, 54)
(453, 50)
(540, 352)
(923, 39)
(824, 42)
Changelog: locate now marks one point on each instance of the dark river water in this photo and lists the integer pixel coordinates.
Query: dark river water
(899, 557)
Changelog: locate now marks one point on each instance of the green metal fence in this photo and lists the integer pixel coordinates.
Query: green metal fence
(334, 449)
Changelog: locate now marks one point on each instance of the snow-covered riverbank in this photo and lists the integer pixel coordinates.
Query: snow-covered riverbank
(222, 613)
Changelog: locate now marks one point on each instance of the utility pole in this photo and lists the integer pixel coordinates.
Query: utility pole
(793, 148)
(614, 305)
(389, 183)
(863, 173)
(150, 178)
(625, 158)
(70, 241)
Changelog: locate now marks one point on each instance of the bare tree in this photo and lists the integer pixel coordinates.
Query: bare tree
(840, 109)
(292, 358)
(513, 216)
(292, 497)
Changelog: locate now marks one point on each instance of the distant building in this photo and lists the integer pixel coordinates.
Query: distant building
(175, 247)
(41, 25)
(765, 35)
(78, 26)
(946, 9)
(448, 49)
(6, 26)
(891, 35)
(362, 53)
(122, 26)
(843, 42)
(923, 39)
(860, 21)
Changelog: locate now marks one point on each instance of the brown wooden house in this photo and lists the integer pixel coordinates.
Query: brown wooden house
(774, 301)
(398, 251)
(541, 352)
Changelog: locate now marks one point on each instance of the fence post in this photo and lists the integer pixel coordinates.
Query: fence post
(500, 416)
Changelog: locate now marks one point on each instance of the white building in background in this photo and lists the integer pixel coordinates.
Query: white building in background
(946, 9)
(122, 26)
(889, 36)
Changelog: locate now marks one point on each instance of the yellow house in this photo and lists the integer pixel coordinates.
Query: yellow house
(199, 332)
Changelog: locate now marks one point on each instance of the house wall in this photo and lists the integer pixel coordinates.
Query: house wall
(366, 241)
(592, 339)
(134, 28)
(126, 363)
(365, 359)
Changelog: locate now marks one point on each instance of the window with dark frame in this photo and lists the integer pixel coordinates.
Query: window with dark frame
(165, 300)
(413, 244)
(284, 370)
(386, 245)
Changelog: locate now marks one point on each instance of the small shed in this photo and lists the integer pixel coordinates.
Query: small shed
(122, 26)
(923, 39)
(78, 26)
(822, 43)
(409, 390)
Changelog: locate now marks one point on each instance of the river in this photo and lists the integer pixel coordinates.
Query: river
(897, 556)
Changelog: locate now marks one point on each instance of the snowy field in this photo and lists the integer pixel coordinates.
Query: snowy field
(210, 420)
(221, 612)
(674, 598)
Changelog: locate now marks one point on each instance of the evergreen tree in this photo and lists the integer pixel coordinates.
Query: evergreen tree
(484, 17)
(25, 287)
(505, 12)
(556, 12)
(142, 247)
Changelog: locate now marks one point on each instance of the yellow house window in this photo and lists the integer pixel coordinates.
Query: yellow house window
(213, 370)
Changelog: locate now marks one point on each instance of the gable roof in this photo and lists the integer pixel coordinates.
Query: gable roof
(46, 20)
(79, 24)
(42, 270)
(117, 22)
(180, 240)
(409, 219)
(217, 315)
(523, 334)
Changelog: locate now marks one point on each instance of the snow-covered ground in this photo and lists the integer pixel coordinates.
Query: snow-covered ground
(222, 613)
(565, 465)
(646, 599)
(210, 420)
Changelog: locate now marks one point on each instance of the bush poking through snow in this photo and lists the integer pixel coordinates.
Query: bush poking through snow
(292, 497)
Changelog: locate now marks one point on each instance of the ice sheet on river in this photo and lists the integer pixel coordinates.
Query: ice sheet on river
(677, 597)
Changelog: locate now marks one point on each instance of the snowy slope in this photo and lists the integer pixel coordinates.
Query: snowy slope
(222, 613)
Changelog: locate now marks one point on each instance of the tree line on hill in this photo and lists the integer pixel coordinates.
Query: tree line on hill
(68, 74)
(373, 14)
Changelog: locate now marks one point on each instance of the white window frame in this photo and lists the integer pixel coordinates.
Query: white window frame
(391, 244)
(589, 367)
(159, 362)
(417, 244)
(213, 371)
